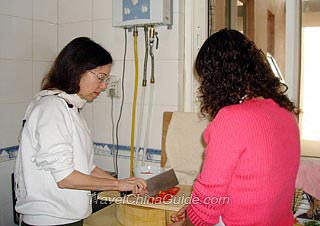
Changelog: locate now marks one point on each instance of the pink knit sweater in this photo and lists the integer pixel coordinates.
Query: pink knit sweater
(251, 162)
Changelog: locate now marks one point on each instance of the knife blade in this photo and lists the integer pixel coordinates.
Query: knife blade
(162, 181)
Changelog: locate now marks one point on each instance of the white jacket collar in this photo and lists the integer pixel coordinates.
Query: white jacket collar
(73, 99)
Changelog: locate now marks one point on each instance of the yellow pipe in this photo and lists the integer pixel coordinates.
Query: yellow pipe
(134, 104)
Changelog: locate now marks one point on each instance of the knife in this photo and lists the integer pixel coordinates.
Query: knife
(162, 181)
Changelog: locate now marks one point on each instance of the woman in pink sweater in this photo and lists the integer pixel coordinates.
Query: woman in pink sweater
(253, 150)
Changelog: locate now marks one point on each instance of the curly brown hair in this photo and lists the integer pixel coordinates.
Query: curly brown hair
(231, 68)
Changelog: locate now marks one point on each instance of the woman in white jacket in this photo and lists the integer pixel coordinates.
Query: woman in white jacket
(55, 170)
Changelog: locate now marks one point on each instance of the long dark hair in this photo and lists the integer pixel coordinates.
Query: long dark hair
(78, 56)
(230, 68)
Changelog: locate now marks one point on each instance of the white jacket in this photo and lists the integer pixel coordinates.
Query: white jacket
(54, 142)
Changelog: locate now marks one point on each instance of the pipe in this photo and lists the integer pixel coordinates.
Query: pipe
(134, 104)
(143, 91)
(151, 38)
(144, 81)
(147, 133)
(151, 96)
(139, 131)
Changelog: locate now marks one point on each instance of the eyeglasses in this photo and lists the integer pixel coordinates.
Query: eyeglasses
(103, 77)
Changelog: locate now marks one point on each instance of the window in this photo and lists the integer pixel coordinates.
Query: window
(310, 78)
(232, 14)
(270, 32)
(242, 16)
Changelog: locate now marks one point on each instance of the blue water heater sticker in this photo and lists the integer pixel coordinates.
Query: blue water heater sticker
(135, 9)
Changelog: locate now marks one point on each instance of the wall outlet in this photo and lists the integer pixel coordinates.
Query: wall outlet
(113, 87)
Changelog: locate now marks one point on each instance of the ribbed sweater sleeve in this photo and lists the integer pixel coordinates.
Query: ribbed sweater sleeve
(210, 191)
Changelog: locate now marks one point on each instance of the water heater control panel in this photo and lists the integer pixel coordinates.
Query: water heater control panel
(129, 13)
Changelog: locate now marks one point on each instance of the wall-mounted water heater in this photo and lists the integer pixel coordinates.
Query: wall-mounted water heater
(130, 13)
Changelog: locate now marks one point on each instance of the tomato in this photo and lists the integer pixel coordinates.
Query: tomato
(167, 197)
(162, 194)
(151, 199)
(173, 190)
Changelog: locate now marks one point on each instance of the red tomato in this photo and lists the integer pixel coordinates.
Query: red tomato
(173, 190)
(167, 197)
(151, 199)
(162, 194)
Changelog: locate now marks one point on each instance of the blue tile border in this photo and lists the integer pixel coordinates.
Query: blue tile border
(153, 155)
(8, 153)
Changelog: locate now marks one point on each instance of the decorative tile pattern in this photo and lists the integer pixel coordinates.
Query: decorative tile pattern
(9, 153)
(152, 155)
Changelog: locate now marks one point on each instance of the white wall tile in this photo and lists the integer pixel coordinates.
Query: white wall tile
(74, 10)
(16, 80)
(40, 69)
(155, 135)
(67, 32)
(6, 215)
(102, 9)
(103, 126)
(109, 37)
(44, 40)
(10, 123)
(166, 84)
(113, 39)
(45, 10)
(102, 33)
(6, 209)
(15, 38)
(104, 162)
(6, 168)
(87, 113)
(16, 8)
(129, 78)
(124, 168)
(170, 41)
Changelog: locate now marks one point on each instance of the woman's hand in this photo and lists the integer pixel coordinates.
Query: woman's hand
(180, 215)
(136, 185)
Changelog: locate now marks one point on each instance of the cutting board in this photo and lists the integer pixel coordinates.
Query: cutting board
(177, 202)
(127, 215)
